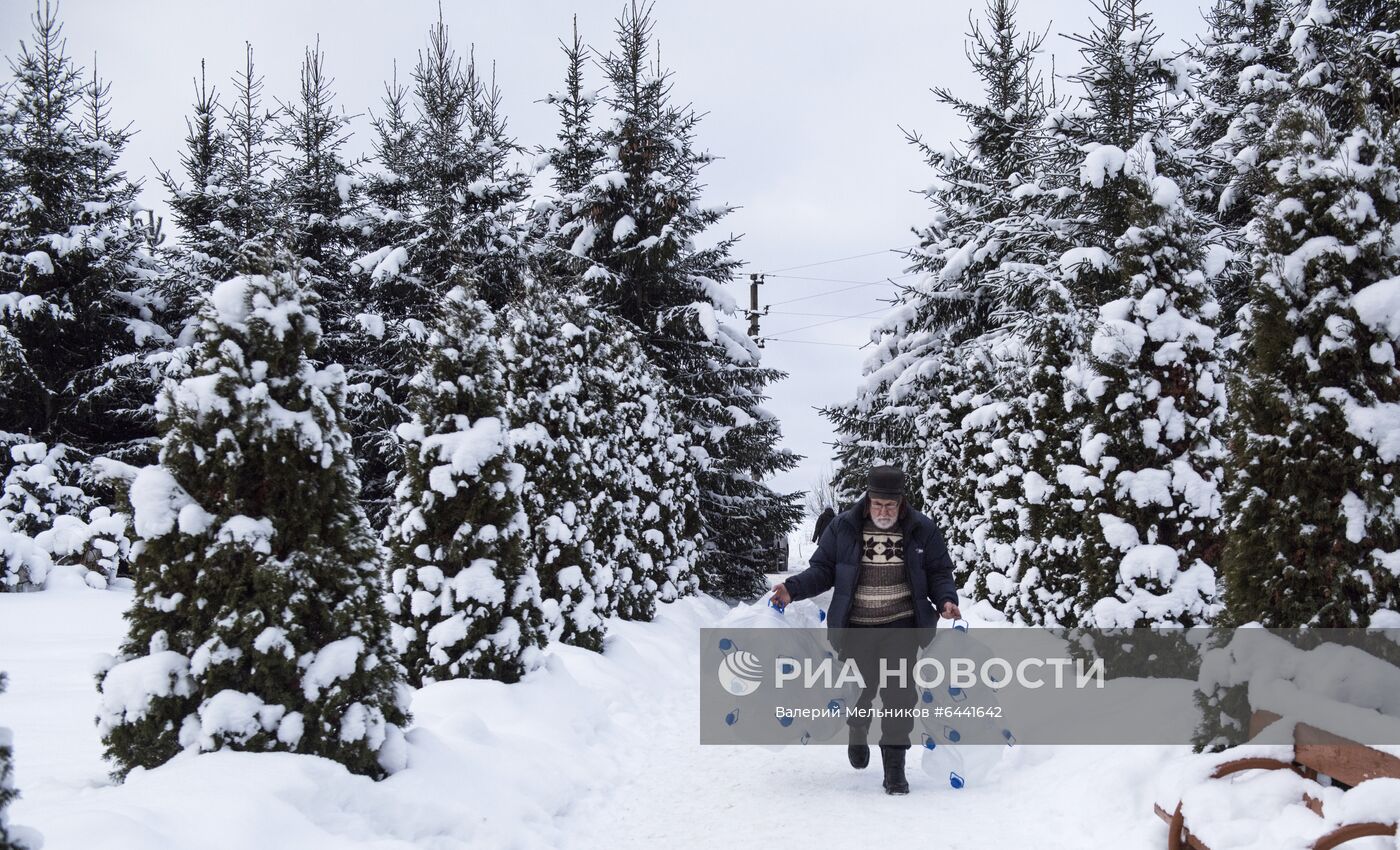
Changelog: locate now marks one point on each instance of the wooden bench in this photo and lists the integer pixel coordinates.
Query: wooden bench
(1316, 753)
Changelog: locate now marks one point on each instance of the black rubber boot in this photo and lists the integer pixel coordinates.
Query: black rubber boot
(857, 750)
(893, 757)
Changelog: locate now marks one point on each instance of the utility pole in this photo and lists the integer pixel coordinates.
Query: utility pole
(755, 281)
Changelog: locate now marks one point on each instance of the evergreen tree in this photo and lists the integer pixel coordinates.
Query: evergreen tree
(56, 518)
(317, 195)
(1032, 569)
(204, 256)
(466, 595)
(931, 398)
(445, 205)
(247, 221)
(611, 490)
(493, 204)
(1153, 439)
(1245, 66)
(554, 223)
(77, 312)
(1144, 484)
(258, 622)
(380, 357)
(651, 495)
(636, 221)
(576, 152)
(1313, 531)
(878, 426)
(11, 837)
(551, 380)
(464, 195)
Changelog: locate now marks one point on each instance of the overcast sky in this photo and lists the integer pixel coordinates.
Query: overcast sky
(804, 102)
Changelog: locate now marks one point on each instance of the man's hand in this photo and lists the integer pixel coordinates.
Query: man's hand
(951, 612)
(781, 595)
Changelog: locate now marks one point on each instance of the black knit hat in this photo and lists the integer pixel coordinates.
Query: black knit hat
(885, 482)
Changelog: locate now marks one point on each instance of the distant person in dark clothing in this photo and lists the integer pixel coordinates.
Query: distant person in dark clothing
(826, 517)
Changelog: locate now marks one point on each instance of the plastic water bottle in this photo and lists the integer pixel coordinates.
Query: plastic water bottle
(944, 763)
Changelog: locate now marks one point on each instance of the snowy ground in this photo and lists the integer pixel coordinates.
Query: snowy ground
(593, 751)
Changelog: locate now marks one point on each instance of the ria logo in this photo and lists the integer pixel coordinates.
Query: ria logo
(739, 671)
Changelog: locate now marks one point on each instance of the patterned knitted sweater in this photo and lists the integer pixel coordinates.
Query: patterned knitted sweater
(882, 591)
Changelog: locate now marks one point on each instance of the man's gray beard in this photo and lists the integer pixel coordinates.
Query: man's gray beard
(884, 523)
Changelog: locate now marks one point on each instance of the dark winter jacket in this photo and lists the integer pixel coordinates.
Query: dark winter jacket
(836, 563)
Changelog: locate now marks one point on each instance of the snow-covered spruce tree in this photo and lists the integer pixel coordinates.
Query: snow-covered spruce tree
(651, 479)
(636, 222)
(1245, 65)
(633, 484)
(493, 203)
(69, 525)
(203, 255)
(319, 202)
(1153, 437)
(223, 201)
(1040, 430)
(1148, 453)
(465, 594)
(972, 257)
(550, 384)
(576, 149)
(76, 309)
(380, 358)
(927, 395)
(11, 837)
(444, 202)
(1314, 533)
(957, 434)
(553, 223)
(259, 621)
(464, 194)
(248, 217)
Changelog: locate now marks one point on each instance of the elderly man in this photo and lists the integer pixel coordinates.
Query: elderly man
(891, 572)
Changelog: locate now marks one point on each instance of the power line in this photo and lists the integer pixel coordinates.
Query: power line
(818, 279)
(888, 280)
(814, 342)
(841, 259)
(813, 315)
(827, 322)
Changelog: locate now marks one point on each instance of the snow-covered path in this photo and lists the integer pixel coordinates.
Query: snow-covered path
(677, 792)
(593, 751)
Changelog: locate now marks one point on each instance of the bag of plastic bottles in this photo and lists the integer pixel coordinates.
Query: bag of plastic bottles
(947, 754)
